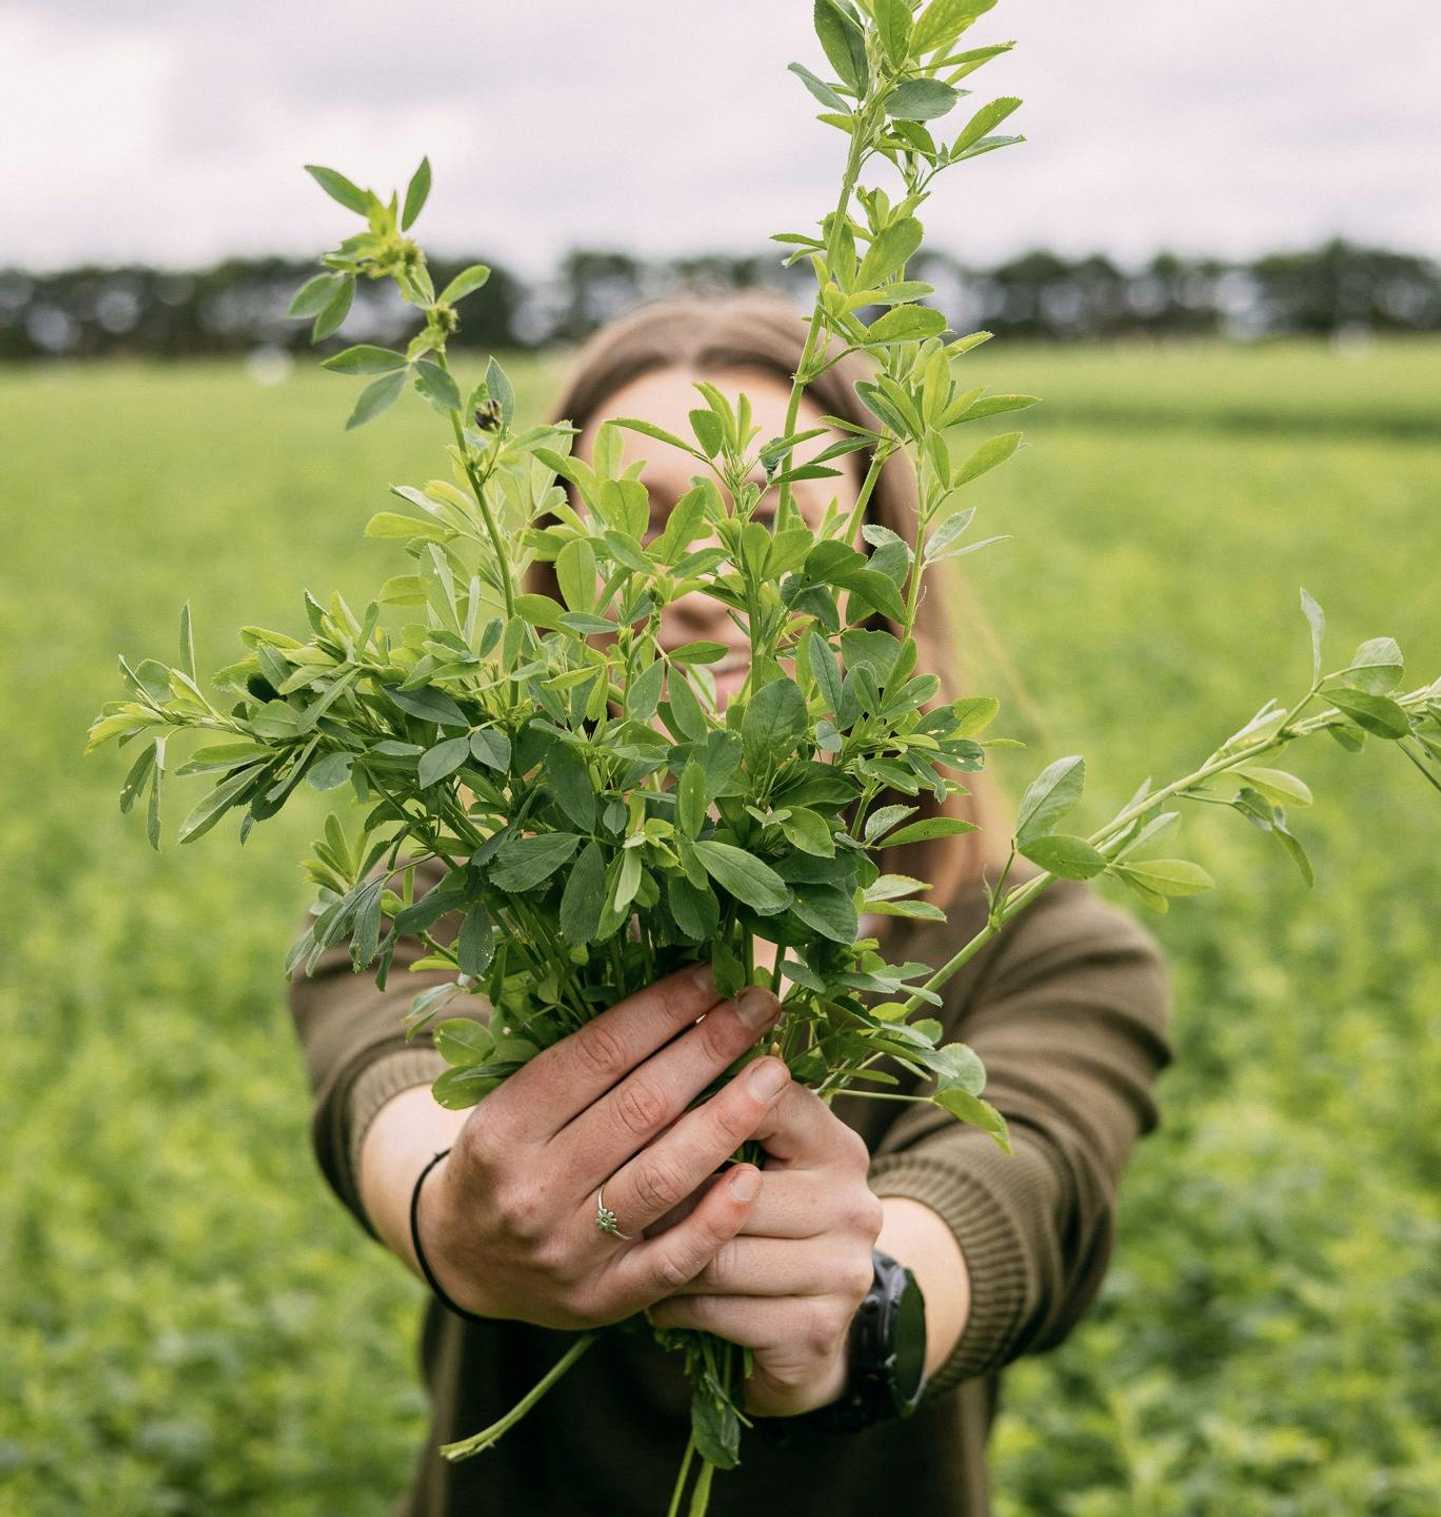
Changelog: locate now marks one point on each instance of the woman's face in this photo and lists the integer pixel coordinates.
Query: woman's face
(665, 397)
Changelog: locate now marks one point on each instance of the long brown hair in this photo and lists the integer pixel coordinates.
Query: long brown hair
(763, 333)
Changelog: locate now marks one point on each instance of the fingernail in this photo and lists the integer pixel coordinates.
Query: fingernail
(703, 977)
(756, 1007)
(768, 1077)
(745, 1184)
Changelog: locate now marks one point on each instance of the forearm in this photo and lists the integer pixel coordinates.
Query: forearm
(922, 1240)
(405, 1134)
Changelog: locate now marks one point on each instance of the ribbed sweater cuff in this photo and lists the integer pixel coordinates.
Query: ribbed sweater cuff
(384, 1077)
(993, 1247)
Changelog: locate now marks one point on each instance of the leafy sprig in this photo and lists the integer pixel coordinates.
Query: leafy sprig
(599, 815)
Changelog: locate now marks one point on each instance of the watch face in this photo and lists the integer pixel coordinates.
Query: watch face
(910, 1341)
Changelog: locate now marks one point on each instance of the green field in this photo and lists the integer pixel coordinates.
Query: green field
(190, 1324)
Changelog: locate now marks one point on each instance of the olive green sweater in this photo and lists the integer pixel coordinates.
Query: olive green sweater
(1068, 1008)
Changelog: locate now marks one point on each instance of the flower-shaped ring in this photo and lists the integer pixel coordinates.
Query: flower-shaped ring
(605, 1218)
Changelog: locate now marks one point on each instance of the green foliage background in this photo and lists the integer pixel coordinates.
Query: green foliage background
(192, 1325)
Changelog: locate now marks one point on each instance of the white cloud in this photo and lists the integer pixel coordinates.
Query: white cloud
(175, 131)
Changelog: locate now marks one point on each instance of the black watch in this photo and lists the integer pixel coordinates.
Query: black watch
(887, 1358)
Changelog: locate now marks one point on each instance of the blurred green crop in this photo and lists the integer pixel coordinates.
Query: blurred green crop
(190, 1324)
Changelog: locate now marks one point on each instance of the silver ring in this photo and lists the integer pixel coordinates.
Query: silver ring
(605, 1218)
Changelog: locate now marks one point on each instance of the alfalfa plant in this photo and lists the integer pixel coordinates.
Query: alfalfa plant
(601, 817)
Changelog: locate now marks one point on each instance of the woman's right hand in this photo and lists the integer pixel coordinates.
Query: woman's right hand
(507, 1219)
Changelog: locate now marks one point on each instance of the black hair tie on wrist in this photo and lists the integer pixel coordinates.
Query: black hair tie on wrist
(420, 1259)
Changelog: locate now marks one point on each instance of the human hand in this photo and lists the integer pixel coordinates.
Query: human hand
(507, 1219)
(790, 1281)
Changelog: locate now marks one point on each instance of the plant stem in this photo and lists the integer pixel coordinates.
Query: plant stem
(483, 1440)
(1022, 895)
(673, 1510)
(802, 376)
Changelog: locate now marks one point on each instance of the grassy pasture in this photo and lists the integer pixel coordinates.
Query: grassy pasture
(189, 1324)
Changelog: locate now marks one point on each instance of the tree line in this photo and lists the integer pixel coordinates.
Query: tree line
(240, 304)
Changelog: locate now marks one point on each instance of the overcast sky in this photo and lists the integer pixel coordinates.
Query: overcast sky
(173, 131)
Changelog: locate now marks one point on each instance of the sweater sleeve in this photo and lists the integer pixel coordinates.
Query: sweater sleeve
(1068, 1010)
(356, 1055)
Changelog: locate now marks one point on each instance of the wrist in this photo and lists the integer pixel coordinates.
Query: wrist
(432, 1231)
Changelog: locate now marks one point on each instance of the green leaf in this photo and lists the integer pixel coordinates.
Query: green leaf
(908, 323)
(467, 282)
(691, 798)
(709, 434)
(1049, 797)
(822, 91)
(750, 881)
(956, 1066)
(825, 671)
(187, 644)
(365, 358)
(978, 1113)
(889, 251)
(334, 311)
(339, 188)
(429, 704)
(774, 725)
(1317, 618)
(643, 696)
(331, 771)
(445, 758)
(1375, 713)
(568, 780)
(524, 863)
(828, 910)
(893, 21)
(685, 708)
(316, 293)
(584, 898)
(437, 386)
(475, 943)
(376, 397)
(920, 100)
(810, 832)
(944, 21)
(497, 382)
(844, 44)
(463, 1041)
(1288, 840)
(928, 828)
(694, 907)
(1169, 877)
(137, 779)
(1071, 858)
(152, 818)
(1277, 785)
(1377, 666)
(878, 822)
(396, 525)
(982, 122)
(216, 804)
(415, 195)
(649, 428)
(491, 747)
(575, 573)
(988, 456)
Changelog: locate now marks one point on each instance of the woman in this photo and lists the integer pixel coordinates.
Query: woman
(1067, 1006)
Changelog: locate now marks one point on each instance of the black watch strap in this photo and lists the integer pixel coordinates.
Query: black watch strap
(886, 1353)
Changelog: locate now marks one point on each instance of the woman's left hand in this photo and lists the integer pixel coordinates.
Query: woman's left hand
(788, 1285)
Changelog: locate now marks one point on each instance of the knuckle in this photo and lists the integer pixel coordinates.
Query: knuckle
(639, 1107)
(520, 1213)
(723, 1264)
(857, 1151)
(717, 1038)
(657, 1186)
(674, 1269)
(823, 1329)
(857, 1276)
(735, 1120)
(598, 1051)
(866, 1215)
